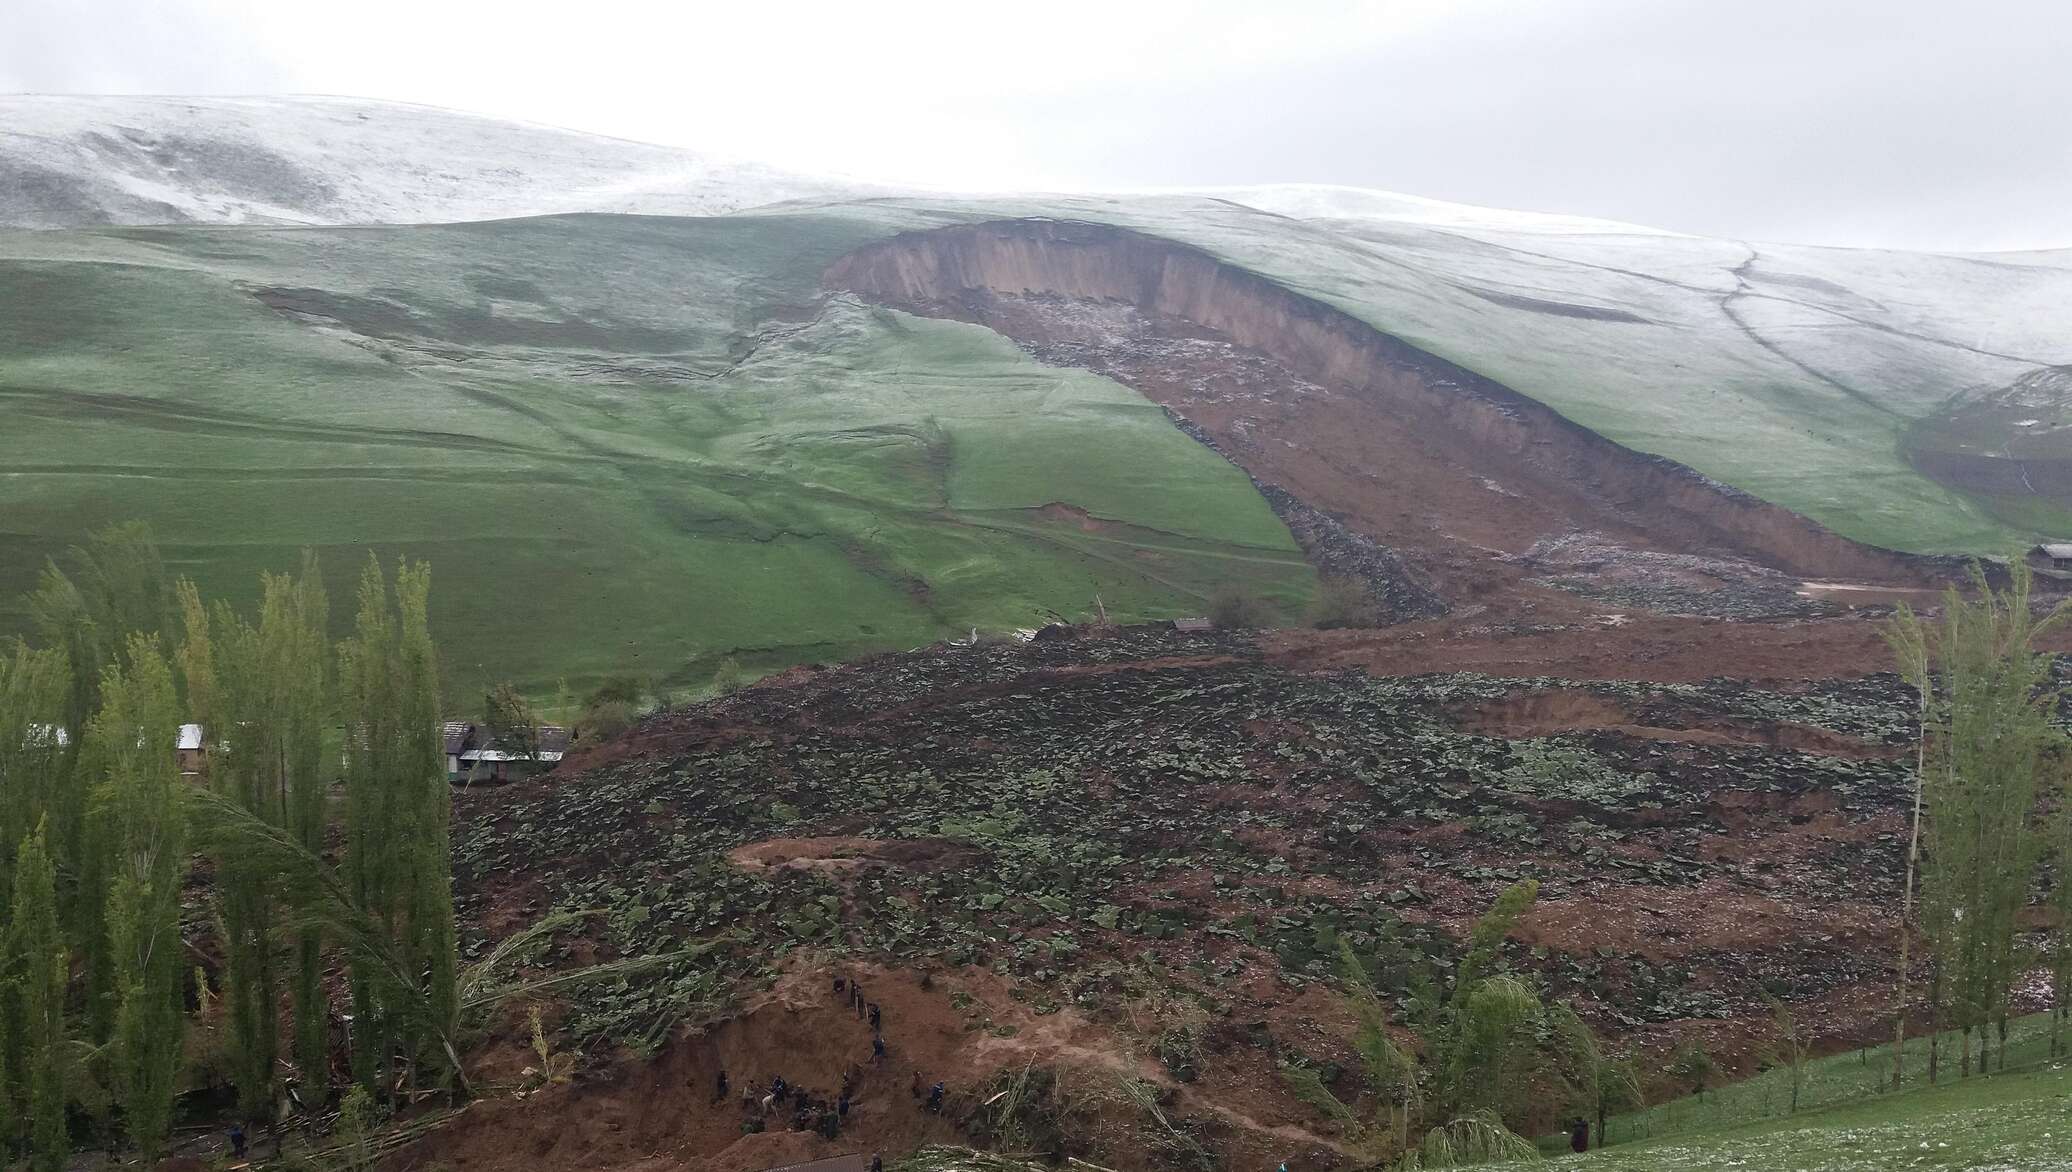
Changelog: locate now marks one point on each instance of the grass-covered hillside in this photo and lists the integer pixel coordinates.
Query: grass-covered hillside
(644, 443)
(623, 442)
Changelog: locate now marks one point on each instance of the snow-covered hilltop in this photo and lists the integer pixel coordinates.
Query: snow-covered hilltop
(70, 161)
(1867, 388)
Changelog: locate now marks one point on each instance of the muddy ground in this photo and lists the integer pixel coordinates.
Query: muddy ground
(1130, 855)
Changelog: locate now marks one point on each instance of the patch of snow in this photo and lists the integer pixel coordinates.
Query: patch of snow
(72, 161)
(1322, 201)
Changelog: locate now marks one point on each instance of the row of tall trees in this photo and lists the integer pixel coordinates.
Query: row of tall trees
(1992, 810)
(99, 834)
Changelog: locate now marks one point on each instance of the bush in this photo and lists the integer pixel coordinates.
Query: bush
(729, 679)
(1235, 610)
(602, 721)
(626, 690)
(1343, 602)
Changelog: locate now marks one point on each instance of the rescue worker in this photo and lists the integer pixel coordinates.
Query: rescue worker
(935, 1094)
(719, 1086)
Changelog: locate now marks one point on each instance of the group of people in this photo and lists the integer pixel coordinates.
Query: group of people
(813, 1111)
(810, 1110)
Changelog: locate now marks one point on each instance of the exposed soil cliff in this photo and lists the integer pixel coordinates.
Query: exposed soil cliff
(1451, 468)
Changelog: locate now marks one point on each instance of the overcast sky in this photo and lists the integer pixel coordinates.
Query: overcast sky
(1907, 123)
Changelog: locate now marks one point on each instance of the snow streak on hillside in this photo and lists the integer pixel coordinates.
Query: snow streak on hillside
(80, 161)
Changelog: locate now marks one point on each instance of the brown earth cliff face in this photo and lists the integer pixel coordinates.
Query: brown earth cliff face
(1404, 446)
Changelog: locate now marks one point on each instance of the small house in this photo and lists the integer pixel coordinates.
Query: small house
(455, 735)
(471, 756)
(2052, 557)
(1192, 626)
(189, 750)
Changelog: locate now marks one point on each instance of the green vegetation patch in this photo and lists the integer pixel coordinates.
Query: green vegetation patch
(624, 443)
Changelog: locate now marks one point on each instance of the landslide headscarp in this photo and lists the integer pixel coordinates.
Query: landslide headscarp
(1431, 459)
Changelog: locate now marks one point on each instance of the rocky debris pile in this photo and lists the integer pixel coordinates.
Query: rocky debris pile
(1594, 567)
(1398, 593)
(1044, 809)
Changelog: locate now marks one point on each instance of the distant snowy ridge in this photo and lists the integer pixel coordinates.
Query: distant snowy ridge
(1322, 201)
(68, 161)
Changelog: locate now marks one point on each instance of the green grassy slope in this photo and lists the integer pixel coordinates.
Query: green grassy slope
(624, 442)
(2019, 1120)
(1848, 1121)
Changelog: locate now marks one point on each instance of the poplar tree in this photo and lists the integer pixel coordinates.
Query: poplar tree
(421, 776)
(37, 967)
(109, 587)
(300, 655)
(33, 744)
(131, 743)
(33, 759)
(367, 671)
(259, 691)
(398, 811)
(1986, 738)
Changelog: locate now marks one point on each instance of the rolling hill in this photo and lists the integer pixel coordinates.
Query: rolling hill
(611, 390)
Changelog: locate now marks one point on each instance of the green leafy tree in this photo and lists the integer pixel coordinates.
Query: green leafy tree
(610, 709)
(1484, 1015)
(399, 808)
(434, 939)
(85, 608)
(34, 757)
(38, 966)
(1788, 1046)
(1233, 609)
(728, 678)
(300, 655)
(260, 691)
(1484, 1043)
(1986, 741)
(1390, 1069)
(1692, 1066)
(514, 727)
(1343, 602)
(1598, 1083)
(131, 745)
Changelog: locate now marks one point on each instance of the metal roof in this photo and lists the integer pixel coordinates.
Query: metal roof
(500, 755)
(2056, 549)
(190, 736)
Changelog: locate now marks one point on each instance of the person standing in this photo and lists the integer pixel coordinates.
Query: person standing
(1579, 1135)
